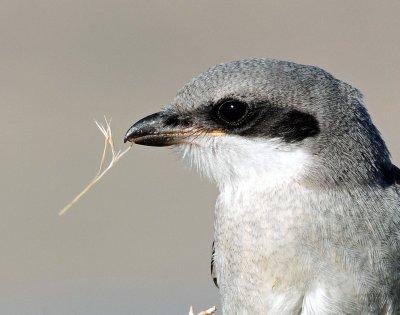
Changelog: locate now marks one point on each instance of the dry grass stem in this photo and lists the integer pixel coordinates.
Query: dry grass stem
(210, 311)
(115, 156)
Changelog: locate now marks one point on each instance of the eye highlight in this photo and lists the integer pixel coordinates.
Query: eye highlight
(232, 112)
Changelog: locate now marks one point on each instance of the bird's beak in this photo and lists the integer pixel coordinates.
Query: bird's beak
(159, 129)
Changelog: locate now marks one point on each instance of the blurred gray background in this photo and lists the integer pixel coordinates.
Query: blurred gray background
(139, 242)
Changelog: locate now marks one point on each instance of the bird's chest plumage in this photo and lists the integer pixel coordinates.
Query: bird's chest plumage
(292, 251)
(257, 240)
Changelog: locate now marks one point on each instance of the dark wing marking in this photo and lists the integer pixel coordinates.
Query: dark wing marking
(213, 275)
(391, 175)
(396, 174)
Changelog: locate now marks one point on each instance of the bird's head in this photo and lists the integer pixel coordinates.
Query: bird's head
(269, 122)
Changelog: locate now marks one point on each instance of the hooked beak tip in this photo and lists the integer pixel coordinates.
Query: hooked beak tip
(126, 138)
(146, 126)
(129, 135)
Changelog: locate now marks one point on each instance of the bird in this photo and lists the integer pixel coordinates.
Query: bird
(307, 220)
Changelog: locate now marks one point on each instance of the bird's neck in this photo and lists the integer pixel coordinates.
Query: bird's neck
(280, 217)
(250, 202)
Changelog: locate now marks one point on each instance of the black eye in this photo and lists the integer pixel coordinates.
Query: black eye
(232, 111)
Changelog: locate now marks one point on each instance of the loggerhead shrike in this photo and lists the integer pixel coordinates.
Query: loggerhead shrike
(308, 216)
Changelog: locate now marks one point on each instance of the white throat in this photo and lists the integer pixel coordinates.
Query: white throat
(240, 163)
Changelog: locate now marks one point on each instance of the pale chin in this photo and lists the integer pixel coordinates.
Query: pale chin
(233, 160)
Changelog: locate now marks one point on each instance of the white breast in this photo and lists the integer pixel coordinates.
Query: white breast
(256, 258)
